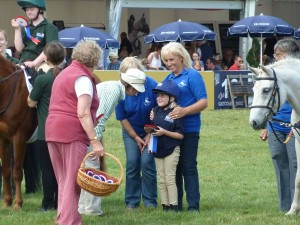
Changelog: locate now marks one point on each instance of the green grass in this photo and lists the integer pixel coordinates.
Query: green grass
(237, 181)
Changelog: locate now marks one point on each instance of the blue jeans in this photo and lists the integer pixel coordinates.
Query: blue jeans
(187, 170)
(140, 175)
(285, 164)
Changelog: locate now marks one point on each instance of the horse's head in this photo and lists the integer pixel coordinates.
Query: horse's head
(266, 98)
(141, 25)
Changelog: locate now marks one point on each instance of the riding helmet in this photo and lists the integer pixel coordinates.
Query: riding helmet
(168, 87)
(41, 4)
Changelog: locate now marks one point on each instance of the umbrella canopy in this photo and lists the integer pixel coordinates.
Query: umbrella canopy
(261, 26)
(180, 31)
(71, 36)
(297, 33)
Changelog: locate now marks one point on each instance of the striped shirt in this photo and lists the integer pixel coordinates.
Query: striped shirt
(109, 94)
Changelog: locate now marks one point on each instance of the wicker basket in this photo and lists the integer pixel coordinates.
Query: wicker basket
(98, 187)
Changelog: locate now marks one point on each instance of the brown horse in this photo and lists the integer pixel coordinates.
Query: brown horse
(17, 124)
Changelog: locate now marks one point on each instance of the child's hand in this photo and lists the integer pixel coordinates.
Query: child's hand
(159, 132)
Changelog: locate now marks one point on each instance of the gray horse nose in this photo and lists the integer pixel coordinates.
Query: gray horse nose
(253, 124)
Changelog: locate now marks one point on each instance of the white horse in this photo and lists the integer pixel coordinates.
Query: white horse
(275, 84)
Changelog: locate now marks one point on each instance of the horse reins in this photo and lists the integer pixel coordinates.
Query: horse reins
(15, 73)
(272, 101)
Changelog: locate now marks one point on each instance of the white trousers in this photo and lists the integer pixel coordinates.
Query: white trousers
(90, 204)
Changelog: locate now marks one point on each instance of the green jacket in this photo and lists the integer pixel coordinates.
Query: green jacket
(45, 32)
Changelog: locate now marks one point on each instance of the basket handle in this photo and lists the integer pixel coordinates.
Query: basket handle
(110, 156)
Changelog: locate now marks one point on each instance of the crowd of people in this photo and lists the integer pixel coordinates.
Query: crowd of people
(72, 111)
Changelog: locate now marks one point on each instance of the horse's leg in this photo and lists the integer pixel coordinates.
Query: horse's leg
(19, 153)
(295, 207)
(6, 172)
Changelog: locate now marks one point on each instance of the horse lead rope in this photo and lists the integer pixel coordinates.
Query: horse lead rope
(296, 126)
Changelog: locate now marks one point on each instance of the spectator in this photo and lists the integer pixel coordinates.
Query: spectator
(154, 58)
(269, 44)
(40, 97)
(266, 60)
(125, 49)
(3, 47)
(211, 64)
(133, 113)
(70, 126)
(196, 58)
(198, 65)
(206, 51)
(238, 63)
(193, 100)
(114, 62)
(145, 63)
(228, 59)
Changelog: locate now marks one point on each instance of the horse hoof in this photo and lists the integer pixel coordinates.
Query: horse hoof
(293, 212)
(5, 206)
(17, 207)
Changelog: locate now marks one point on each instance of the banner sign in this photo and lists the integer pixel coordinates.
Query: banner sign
(221, 89)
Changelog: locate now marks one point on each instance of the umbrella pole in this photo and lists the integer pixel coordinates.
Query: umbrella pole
(261, 44)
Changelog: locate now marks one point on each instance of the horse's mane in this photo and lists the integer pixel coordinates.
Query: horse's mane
(5, 64)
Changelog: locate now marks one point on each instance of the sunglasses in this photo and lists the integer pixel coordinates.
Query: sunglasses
(241, 61)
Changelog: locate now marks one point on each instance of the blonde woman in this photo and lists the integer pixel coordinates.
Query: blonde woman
(193, 100)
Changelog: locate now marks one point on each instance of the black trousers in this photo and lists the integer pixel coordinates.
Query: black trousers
(32, 172)
(49, 183)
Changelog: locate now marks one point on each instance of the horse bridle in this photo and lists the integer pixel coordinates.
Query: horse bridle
(15, 73)
(272, 100)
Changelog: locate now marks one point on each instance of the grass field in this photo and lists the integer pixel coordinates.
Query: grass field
(237, 181)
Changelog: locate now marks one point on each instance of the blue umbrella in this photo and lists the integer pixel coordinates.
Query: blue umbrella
(71, 36)
(180, 31)
(261, 26)
(297, 33)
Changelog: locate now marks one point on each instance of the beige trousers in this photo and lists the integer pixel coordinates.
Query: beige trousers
(166, 173)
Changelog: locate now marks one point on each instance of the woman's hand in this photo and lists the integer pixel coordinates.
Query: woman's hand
(98, 149)
(264, 134)
(151, 115)
(178, 112)
(140, 143)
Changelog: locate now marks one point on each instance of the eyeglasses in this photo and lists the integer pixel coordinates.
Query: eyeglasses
(241, 61)
(277, 56)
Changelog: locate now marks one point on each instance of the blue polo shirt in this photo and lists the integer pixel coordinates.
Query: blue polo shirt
(192, 89)
(136, 109)
(283, 114)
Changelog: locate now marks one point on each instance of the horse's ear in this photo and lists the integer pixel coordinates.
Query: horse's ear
(254, 70)
(266, 69)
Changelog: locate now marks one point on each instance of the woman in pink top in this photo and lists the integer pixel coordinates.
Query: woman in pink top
(70, 126)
